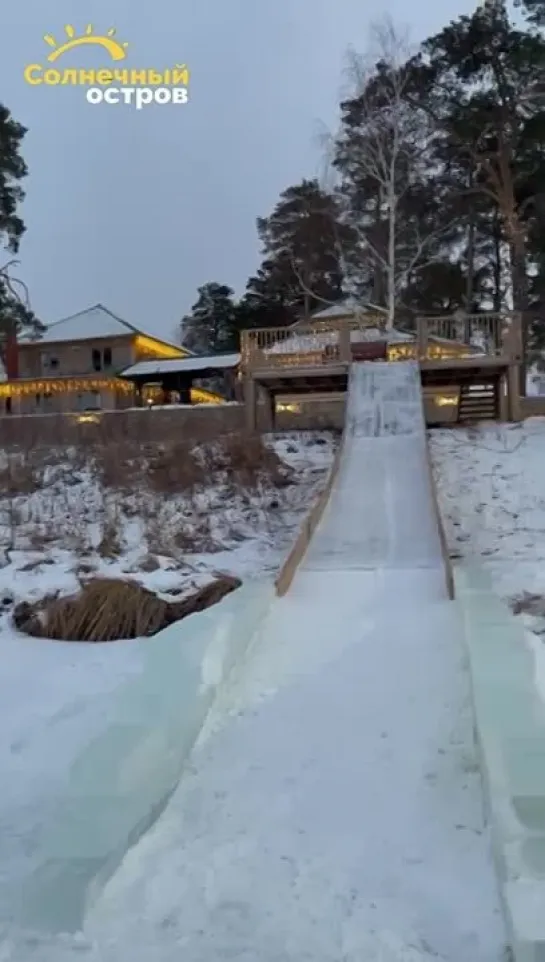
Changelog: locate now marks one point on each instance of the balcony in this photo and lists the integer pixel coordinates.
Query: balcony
(326, 347)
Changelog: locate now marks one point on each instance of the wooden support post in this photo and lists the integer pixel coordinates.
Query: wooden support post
(345, 346)
(513, 382)
(512, 346)
(272, 411)
(184, 389)
(503, 398)
(421, 338)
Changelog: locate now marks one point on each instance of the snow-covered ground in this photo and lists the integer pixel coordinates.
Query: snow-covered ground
(67, 518)
(332, 809)
(54, 696)
(491, 489)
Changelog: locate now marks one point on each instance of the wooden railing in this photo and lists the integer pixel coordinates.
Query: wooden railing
(306, 345)
(488, 334)
(435, 338)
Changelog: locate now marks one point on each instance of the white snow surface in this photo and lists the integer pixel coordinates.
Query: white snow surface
(490, 481)
(181, 365)
(332, 809)
(94, 322)
(317, 341)
(54, 696)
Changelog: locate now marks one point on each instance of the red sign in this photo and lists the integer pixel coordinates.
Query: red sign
(370, 351)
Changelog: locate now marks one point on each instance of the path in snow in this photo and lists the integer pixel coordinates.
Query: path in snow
(332, 810)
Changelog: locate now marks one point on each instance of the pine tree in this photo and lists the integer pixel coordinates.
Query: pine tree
(15, 313)
(302, 242)
(211, 328)
(482, 73)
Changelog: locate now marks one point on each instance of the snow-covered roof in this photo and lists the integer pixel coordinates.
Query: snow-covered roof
(186, 365)
(94, 323)
(342, 309)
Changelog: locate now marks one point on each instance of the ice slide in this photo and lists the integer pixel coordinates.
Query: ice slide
(332, 811)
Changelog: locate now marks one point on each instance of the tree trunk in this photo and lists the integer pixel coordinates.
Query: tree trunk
(378, 269)
(469, 279)
(391, 270)
(497, 298)
(519, 281)
(306, 304)
(470, 276)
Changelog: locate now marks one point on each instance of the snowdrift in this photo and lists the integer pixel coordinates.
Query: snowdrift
(121, 781)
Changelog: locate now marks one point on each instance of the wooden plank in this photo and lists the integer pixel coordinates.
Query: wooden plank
(465, 363)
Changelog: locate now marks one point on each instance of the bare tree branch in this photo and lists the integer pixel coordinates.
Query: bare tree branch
(11, 281)
(383, 147)
(358, 310)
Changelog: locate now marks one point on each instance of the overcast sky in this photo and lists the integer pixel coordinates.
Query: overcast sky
(137, 209)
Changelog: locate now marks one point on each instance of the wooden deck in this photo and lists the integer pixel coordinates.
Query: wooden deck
(315, 358)
(478, 362)
(304, 380)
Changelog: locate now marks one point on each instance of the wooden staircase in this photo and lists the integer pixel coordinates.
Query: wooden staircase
(478, 402)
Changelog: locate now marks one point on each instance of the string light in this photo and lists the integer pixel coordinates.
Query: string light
(146, 347)
(68, 385)
(55, 386)
(434, 352)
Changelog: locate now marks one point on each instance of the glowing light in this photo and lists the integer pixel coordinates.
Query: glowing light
(88, 419)
(68, 385)
(149, 348)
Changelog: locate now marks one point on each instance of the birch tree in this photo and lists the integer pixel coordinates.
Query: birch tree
(382, 158)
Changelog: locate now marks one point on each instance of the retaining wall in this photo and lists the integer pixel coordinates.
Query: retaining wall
(200, 422)
(123, 779)
(510, 723)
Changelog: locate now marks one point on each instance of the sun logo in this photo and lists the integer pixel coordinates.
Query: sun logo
(117, 51)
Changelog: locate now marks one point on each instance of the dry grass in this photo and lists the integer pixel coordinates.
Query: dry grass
(163, 467)
(113, 609)
(528, 604)
(57, 495)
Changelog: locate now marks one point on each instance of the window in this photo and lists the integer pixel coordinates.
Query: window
(49, 363)
(102, 359)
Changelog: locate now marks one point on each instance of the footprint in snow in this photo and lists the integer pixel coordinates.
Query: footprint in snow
(383, 946)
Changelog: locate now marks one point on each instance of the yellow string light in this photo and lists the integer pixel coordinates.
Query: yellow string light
(24, 388)
(53, 386)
